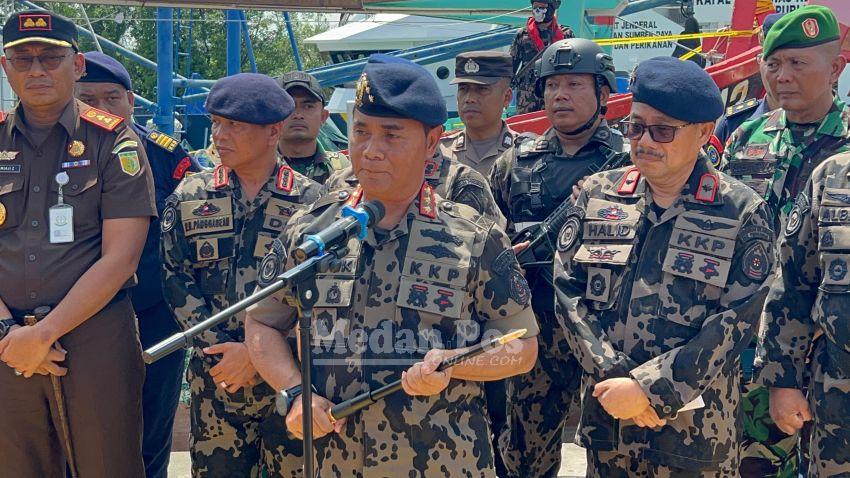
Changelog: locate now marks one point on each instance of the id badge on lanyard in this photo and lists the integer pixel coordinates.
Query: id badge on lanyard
(61, 215)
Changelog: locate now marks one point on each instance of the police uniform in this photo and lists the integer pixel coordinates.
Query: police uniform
(529, 182)
(805, 339)
(439, 279)
(108, 177)
(668, 298)
(322, 164)
(776, 158)
(528, 43)
(163, 379)
(213, 238)
(479, 68)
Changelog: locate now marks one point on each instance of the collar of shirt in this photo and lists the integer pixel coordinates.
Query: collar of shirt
(831, 124)
(69, 119)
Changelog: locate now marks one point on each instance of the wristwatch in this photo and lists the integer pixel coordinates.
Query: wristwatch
(6, 325)
(285, 398)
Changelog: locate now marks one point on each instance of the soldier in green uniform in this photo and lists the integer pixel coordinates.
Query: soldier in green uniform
(483, 93)
(298, 144)
(805, 342)
(660, 277)
(775, 155)
(215, 228)
(432, 277)
(540, 31)
(529, 181)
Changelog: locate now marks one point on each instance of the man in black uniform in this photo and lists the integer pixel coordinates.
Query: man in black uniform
(529, 181)
(107, 86)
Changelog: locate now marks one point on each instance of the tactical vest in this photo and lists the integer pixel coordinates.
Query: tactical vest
(541, 180)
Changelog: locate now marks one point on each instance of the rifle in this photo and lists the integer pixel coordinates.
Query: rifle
(522, 71)
(543, 236)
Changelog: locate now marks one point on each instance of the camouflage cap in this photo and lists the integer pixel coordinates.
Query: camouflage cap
(805, 27)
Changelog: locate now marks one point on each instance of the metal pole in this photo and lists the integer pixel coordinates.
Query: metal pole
(91, 28)
(164, 118)
(234, 42)
(189, 44)
(292, 41)
(249, 46)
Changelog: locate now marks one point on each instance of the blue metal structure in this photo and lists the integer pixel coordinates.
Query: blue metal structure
(249, 46)
(164, 117)
(234, 42)
(295, 52)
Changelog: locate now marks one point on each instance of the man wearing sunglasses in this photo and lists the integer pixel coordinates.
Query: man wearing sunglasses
(775, 155)
(660, 276)
(530, 180)
(76, 200)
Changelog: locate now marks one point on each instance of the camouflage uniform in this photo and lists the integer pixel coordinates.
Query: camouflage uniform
(810, 295)
(529, 182)
(670, 301)
(451, 180)
(213, 239)
(442, 278)
(322, 165)
(454, 146)
(768, 155)
(523, 52)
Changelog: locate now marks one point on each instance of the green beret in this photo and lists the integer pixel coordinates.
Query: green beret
(806, 26)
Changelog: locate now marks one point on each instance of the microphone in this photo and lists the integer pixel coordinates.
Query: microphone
(354, 222)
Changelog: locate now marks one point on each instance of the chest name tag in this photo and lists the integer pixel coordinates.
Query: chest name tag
(602, 231)
(211, 215)
(61, 218)
(696, 266)
(834, 215)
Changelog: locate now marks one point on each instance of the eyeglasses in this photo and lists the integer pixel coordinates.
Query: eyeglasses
(48, 62)
(660, 133)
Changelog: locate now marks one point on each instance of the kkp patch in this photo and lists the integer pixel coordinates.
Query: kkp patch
(169, 218)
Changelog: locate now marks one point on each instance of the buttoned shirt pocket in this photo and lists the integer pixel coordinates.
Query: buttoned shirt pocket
(83, 193)
(330, 320)
(212, 257)
(605, 265)
(12, 201)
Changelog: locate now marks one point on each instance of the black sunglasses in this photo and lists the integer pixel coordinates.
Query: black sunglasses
(660, 133)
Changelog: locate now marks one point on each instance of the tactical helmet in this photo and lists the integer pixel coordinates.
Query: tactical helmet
(575, 56)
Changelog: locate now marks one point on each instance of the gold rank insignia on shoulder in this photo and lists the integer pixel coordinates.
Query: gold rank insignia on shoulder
(2, 214)
(130, 162)
(427, 202)
(76, 148)
(363, 90)
(107, 121)
(163, 141)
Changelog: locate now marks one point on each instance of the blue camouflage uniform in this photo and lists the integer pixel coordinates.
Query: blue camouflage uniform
(169, 163)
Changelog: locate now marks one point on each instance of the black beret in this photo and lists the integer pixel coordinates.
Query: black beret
(679, 89)
(102, 68)
(249, 98)
(483, 67)
(397, 88)
(39, 26)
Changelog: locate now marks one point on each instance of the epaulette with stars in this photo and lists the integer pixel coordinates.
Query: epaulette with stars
(107, 121)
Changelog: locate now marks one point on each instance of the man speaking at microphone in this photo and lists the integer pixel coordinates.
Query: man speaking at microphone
(431, 278)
